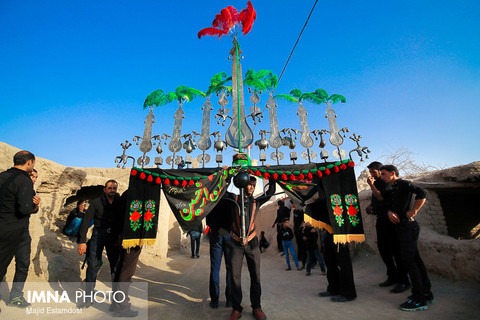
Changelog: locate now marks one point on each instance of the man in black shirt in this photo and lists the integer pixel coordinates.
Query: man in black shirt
(17, 202)
(297, 230)
(248, 247)
(407, 230)
(107, 214)
(220, 220)
(282, 213)
(387, 241)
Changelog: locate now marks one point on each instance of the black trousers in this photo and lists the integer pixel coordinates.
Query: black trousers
(128, 265)
(279, 238)
(389, 248)
(101, 238)
(251, 252)
(339, 268)
(9, 242)
(301, 251)
(22, 263)
(407, 233)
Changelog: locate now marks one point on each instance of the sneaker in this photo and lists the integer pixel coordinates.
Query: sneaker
(197, 256)
(288, 269)
(429, 298)
(413, 305)
(19, 302)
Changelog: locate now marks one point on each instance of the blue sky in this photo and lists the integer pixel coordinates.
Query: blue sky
(74, 74)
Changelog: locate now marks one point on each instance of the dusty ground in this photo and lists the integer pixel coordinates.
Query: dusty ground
(178, 289)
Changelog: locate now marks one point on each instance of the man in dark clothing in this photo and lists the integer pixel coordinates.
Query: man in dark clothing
(125, 270)
(387, 241)
(22, 259)
(195, 235)
(297, 230)
(108, 218)
(287, 243)
(310, 240)
(341, 285)
(17, 202)
(282, 213)
(247, 247)
(408, 230)
(220, 220)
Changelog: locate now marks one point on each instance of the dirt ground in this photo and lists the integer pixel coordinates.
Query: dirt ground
(178, 289)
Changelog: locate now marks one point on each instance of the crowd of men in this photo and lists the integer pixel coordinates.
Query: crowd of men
(397, 235)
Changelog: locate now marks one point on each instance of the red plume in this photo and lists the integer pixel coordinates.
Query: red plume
(228, 18)
(211, 32)
(247, 16)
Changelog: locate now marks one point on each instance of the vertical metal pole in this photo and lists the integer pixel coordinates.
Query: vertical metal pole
(237, 60)
(243, 216)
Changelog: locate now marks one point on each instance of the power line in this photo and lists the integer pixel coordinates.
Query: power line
(298, 39)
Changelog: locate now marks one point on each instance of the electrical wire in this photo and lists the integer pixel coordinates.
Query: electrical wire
(298, 39)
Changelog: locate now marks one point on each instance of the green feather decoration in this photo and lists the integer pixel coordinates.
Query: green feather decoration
(286, 97)
(217, 83)
(337, 98)
(297, 93)
(156, 99)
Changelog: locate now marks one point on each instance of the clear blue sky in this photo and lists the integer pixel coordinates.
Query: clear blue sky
(74, 74)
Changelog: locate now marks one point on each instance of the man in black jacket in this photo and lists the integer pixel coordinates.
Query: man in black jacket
(220, 220)
(107, 214)
(17, 202)
(387, 241)
(407, 229)
(249, 248)
(282, 213)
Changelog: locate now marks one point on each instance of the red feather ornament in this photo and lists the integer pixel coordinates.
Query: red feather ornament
(247, 16)
(211, 32)
(226, 20)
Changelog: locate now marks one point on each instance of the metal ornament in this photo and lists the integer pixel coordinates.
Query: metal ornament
(124, 158)
(239, 132)
(339, 153)
(361, 151)
(335, 138)
(275, 141)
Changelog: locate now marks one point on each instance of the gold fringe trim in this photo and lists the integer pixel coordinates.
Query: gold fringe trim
(347, 238)
(147, 242)
(318, 224)
(131, 243)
